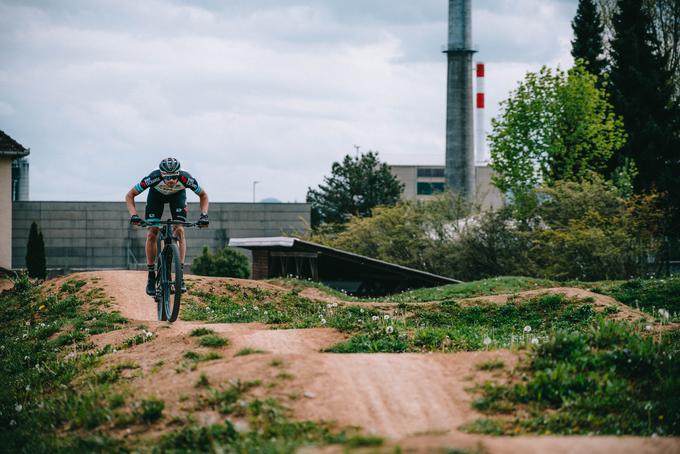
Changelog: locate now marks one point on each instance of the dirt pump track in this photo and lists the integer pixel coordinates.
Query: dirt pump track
(415, 400)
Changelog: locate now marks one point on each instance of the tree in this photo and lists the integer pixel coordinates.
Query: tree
(355, 187)
(642, 92)
(588, 38)
(554, 126)
(35, 253)
(223, 263)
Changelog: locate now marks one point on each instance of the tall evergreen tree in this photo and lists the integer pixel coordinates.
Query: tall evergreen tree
(641, 89)
(355, 187)
(588, 37)
(35, 253)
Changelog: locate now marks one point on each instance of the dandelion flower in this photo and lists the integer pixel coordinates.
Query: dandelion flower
(389, 329)
(18, 407)
(487, 341)
(334, 304)
(361, 310)
(12, 423)
(527, 329)
(664, 314)
(375, 318)
(323, 321)
(329, 305)
(648, 328)
(386, 317)
(534, 340)
(28, 387)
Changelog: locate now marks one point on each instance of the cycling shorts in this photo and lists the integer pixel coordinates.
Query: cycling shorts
(155, 203)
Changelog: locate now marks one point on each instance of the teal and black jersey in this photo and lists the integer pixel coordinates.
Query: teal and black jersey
(155, 180)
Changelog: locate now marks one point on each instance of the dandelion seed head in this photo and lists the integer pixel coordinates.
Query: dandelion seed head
(375, 318)
(386, 317)
(534, 340)
(527, 329)
(389, 329)
(487, 341)
(18, 407)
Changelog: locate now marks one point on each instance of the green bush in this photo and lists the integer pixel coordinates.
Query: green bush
(222, 263)
(36, 263)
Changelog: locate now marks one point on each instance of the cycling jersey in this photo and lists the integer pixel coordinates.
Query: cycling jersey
(155, 180)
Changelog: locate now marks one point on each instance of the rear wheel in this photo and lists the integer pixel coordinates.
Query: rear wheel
(175, 276)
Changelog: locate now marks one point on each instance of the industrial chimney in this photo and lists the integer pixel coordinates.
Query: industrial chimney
(460, 159)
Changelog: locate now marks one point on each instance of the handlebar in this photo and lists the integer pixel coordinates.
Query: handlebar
(145, 223)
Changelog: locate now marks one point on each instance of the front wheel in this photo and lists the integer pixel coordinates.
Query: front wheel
(174, 275)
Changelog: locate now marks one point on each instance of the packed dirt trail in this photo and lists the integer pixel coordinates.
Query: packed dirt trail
(415, 400)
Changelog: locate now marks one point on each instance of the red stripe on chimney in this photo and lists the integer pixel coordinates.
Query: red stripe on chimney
(480, 100)
(480, 69)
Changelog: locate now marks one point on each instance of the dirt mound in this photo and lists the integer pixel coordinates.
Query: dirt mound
(600, 302)
(418, 400)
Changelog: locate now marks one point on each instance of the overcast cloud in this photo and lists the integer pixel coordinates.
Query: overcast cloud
(245, 90)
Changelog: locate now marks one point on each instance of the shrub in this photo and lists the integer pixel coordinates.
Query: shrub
(224, 262)
(36, 262)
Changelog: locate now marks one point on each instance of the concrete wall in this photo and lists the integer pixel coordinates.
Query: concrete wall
(488, 195)
(98, 235)
(6, 213)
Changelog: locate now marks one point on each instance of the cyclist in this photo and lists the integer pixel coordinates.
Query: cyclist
(167, 184)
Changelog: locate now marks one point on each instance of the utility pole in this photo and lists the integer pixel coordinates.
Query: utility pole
(356, 148)
(254, 183)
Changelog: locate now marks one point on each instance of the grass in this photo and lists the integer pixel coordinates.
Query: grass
(448, 326)
(492, 364)
(213, 341)
(248, 351)
(649, 295)
(451, 327)
(610, 379)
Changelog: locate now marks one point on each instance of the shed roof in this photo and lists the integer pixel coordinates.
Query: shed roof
(295, 244)
(10, 148)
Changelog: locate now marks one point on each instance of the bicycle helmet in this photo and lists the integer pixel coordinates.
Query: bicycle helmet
(169, 165)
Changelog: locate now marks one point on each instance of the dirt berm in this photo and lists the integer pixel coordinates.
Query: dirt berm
(415, 400)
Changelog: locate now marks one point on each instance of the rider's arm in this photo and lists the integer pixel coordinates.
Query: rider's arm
(130, 201)
(203, 201)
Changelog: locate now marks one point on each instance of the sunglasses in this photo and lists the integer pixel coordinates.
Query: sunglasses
(170, 177)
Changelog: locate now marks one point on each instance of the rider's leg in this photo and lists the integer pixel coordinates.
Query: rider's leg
(181, 241)
(151, 248)
(151, 245)
(153, 212)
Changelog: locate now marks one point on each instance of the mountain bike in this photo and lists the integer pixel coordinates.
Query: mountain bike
(168, 269)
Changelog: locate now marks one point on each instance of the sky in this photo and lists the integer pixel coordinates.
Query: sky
(272, 91)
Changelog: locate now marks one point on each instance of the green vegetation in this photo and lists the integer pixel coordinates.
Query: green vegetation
(55, 396)
(201, 332)
(355, 186)
(248, 351)
(213, 340)
(36, 261)
(492, 364)
(649, 295)
(608, 379)
(223, 262)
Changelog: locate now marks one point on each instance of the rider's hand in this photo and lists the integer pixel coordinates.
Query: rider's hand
(135, 220)
(203, 220)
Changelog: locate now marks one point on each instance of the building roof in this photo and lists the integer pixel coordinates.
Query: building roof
(295, 244)
(10, 148)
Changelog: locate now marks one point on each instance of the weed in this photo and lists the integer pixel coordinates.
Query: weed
(151, 409)
(201, 332)
(213, 340)
(248, 351)
(276, 362)
(202, 381)
(492, 364)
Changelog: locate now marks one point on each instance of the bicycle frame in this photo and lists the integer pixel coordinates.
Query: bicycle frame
(165, 284)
